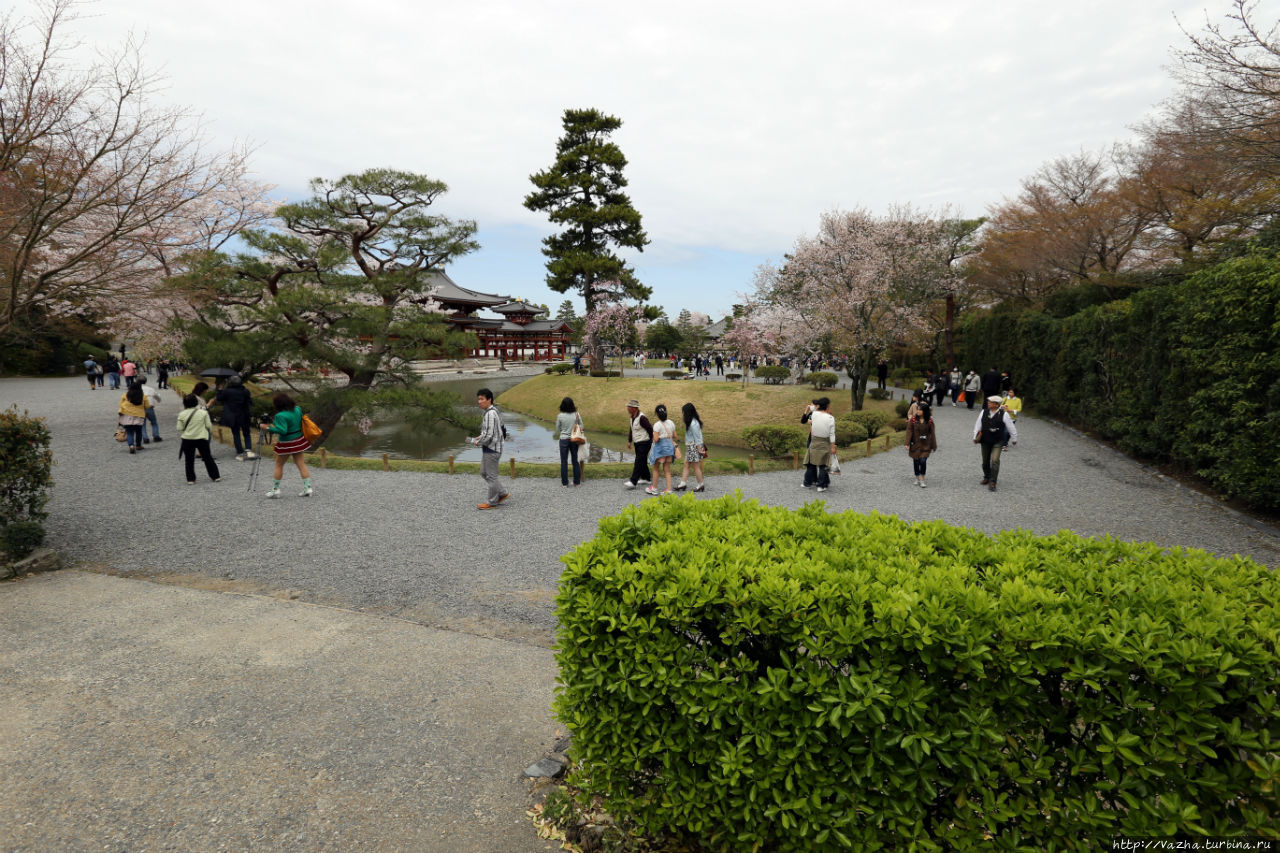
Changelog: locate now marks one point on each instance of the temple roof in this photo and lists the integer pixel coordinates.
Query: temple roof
(447, 292)
(497, 325)
(517, 307)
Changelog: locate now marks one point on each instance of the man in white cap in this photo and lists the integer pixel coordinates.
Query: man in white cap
(639, 436)
(992, 431)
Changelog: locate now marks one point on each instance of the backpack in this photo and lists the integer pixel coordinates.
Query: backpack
(309, 429)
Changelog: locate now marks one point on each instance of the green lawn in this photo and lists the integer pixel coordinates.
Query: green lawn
(725, 407)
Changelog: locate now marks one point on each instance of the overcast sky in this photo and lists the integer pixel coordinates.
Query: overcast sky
(742, 121)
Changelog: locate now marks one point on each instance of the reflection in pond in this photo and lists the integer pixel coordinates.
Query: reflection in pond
(530, 440)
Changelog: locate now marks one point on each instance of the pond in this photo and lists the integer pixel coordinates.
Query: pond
(531, 440)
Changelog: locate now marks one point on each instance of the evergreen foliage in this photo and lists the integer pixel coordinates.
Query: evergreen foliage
(760, 678)
(583, 192)
(26, 465)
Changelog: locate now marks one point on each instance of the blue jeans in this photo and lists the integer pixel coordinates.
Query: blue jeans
(133, 434)
(569, 449)
(151, 419)
(115, 381)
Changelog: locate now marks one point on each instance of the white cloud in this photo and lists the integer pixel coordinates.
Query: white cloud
(742, 121)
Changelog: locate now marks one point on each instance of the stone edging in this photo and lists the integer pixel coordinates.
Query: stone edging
(39, 560)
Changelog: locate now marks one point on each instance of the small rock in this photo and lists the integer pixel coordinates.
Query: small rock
(548, 767)
(562, 744)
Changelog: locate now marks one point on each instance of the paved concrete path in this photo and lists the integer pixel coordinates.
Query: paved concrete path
(369, 668)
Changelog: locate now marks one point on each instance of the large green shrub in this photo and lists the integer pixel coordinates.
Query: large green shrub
(26, 464)
(822, 379)
(773, 374)
(879, 393)
(904, 377)
(774, 440)
(859, 426)
(761, 678)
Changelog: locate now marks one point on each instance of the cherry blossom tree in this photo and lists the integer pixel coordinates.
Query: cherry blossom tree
(748, 339)
(863, 282)
(94, 175)
(612, 323)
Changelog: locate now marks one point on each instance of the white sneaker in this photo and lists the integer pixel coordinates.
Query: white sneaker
(822, 488)
(239, 457)
(305, 493)
(628, 484)
(642, 482)
(274, 493)
(250, 455)
(922, 485)
(651, 491)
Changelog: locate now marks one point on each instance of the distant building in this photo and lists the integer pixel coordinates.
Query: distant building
(514, 336)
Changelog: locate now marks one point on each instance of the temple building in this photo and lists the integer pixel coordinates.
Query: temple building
(513, 336)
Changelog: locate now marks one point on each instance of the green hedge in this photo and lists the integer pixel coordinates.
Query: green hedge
(1187, 373)
(879, 393)
(859, 426)
(774, 440)
(26, 465)
(822, 379)
(904, 377)
(674, 374)
(773, 374)
(761, 678)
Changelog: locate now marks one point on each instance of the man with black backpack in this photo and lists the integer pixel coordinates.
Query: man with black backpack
(992, 431)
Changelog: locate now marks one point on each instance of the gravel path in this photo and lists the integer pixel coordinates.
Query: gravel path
(414, 546)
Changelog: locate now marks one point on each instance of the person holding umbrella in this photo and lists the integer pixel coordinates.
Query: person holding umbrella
(236, 416)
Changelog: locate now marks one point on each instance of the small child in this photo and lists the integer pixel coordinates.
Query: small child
(196, 430)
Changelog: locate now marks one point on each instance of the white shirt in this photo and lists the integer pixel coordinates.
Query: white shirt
(823, 425)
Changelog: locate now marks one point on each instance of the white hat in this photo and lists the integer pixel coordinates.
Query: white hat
(995, 399)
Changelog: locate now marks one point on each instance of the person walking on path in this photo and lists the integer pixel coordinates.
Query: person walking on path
(489, 441)
(162, 373)
(128, 370)
(991, 384)
(236, 415)
(1012, 404)
(957, 385)
(664, 449)
(565, 422)
(882, 373)
(132, 414)
(695, 449)
(822, 445)
(972, 388)
(639, 438)
(291, 443)
(112, 367)
(91, 373)
(992, 431)
(196, 430)
(922, 440)
(154, 396)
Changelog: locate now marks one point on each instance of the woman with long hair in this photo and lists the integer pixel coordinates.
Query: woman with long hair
(291, 444)
(664, 449)
(922, 439)
(565, 422)
(695, 450)
(132, 415)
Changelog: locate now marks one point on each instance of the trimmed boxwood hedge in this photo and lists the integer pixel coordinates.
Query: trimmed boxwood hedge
(773, 374)
(822, 379)
(762, 678)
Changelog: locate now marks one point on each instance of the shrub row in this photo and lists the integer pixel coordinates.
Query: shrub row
(559, 368)
(761, 678)
(774, 440)
(859, 426)
(26, 464)
(1187, 373)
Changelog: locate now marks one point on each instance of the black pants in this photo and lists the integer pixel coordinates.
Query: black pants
(188, 451)
(640, 470)
(990, 461)
(919, 465)
(970, 397)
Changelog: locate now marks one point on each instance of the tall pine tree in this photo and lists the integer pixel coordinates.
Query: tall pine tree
(583, 191)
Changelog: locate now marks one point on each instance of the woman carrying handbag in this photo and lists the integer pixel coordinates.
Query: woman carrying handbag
(569, 429)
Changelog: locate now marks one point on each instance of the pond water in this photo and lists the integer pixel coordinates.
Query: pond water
(531, 440)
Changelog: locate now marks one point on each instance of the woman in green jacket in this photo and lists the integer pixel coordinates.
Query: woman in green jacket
(291, 443)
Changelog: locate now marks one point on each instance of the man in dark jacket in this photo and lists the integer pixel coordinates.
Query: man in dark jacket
(236, 404)
(991, 383)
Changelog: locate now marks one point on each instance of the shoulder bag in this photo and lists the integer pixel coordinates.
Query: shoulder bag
(576, 435)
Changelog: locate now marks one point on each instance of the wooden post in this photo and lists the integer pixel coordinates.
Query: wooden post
(450, 464)
(868, 447)
(795, 460)
(386, 464)
(887, 437)
(751, 463)
(513, 467)
(324, 458)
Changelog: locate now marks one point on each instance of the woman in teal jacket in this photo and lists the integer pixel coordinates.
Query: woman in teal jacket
(287, 425)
